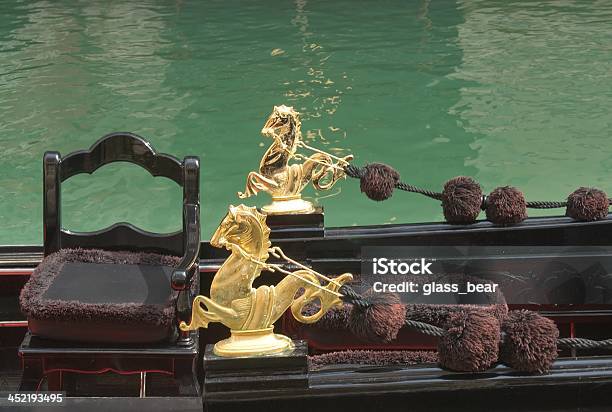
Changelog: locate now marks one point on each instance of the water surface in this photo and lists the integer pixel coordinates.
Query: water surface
(508, 92)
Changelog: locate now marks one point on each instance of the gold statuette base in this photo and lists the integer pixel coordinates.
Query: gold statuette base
(288, 206)
(256, 342)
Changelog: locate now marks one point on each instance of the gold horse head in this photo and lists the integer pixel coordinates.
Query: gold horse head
(283, 125)
(246, 227)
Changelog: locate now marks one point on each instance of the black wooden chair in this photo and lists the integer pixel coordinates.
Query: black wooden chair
(112, 300)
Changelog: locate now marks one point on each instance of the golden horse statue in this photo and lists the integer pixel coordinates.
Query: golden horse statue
(250, 313)
(284, 181)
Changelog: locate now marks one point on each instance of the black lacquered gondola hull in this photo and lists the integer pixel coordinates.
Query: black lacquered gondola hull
(573, 382)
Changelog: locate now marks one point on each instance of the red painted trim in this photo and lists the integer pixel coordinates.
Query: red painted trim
(14, 324)
(98, 372)
(28, 271)
(16, 271)
(105, 370)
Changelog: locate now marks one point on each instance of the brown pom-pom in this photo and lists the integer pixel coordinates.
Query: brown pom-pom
(587, 203)
(381, 321)
(461, 200)
(529, 342)
(378, 181)
(470, 342)
(506, 206)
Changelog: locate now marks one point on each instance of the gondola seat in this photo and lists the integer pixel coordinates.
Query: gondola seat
(94, 295)
(112, 300)
(120, 284)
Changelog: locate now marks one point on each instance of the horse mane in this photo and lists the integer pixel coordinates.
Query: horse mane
(295, 125)
(260, 217)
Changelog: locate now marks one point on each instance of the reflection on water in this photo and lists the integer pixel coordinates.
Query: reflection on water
(539, 94)
(506, 92)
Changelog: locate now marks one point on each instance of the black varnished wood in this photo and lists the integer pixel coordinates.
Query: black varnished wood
(41, 355)
(189, 263)
(542, 231)
(572, 385)
(122, 147)
(191, 180)
(51, 202)
(191, 223)
(188, 271)
(225, 376)
(124, 236)
(188, 268)
(345, 242)
(310, 225)
(119, 404)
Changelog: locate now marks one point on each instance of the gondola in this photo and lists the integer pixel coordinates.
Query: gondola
(577, 380)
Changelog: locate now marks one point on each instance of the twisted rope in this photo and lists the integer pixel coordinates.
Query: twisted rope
(562, 343)
(582, 343)
(545, 205)
(354, 171)
(410, 188)
(350, 296)
(358, 172)
(425, 328)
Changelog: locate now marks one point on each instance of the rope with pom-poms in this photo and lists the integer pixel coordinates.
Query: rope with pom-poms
(469, 341)
(463, 200)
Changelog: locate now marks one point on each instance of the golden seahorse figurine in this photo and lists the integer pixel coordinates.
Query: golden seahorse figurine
(284, 181)
(250, 313)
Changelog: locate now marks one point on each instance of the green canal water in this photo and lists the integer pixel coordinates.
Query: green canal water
(508, 92)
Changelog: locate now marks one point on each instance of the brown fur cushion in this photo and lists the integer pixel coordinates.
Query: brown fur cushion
(372, 357)
(36, 306)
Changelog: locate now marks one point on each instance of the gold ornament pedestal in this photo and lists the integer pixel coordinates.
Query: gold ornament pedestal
(286, 369)
(253, 343)
(288, 205)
